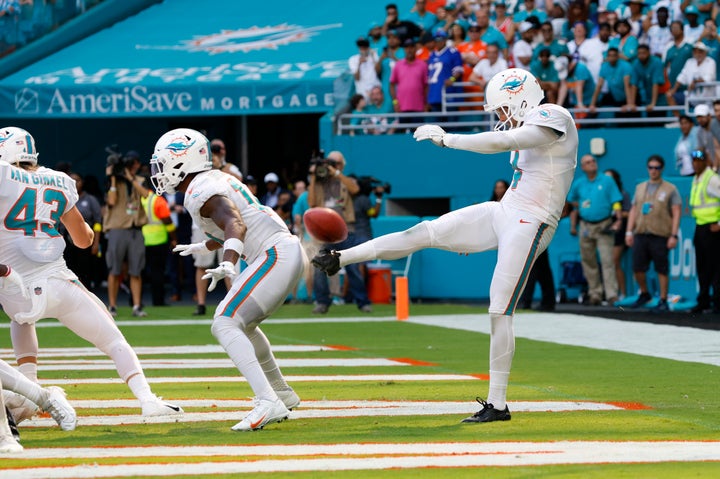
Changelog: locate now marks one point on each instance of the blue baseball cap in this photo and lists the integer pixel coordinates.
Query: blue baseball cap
(440, 33)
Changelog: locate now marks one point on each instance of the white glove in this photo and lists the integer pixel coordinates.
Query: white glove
(13, 277)
(188, 249)
(430, 132)
(226, 268)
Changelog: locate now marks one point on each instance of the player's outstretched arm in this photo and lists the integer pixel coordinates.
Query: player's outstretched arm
(522, 138)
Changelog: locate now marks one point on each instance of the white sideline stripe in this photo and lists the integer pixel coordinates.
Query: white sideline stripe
(199, 322)
(419, 456)
(363, 449)
(336, 409)
(6, 353)
(108, 365)
(225, 379)
(442, 407)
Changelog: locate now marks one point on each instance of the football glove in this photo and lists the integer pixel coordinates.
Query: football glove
(13, 277)
(430, 132)
(224, 269)
(194, 248)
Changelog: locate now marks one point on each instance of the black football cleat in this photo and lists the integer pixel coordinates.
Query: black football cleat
(488, 413)
(327, 261)
(12, 425)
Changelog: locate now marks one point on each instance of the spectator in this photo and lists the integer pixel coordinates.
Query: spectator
(272, 190)
(578, 87)
(409, 84)
(715, 122)
(456, 35)
(710, 38)
(160, 239)
(363, 66)
(590, 51)
(697, 69)
(556, 47)
(284, 208)
(557, 18)
(375, 38)
(705, 208)
(421, 17)
(252, 185)
(616, 73)
(545, 72)
(403, 28)
(634, 17)
(597, 206)
(619, 246)
(625, 42)
(488, 67)
(309, 245)
(676, 55)
(705, 138)
(658, 35)
(489, 34)
(693, 28)
(686, 144)
(82, 261)
(528, 10)
(182, 271)
(357, 106)
(652, 231)
(647, 79)
(499, 189)
(522, 49)
(577, 13)
(329, 187)
(380, 124)
(219, 158)
(445, 67)
(392, 53)
(502, 22)
(123, 224)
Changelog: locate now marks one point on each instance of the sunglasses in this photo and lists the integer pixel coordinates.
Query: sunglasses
(652, 167)
(698, 155)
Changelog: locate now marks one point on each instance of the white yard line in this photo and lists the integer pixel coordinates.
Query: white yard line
(108, 365)
(289, 378)
(7, 353)
(317, 410)
(402, 456)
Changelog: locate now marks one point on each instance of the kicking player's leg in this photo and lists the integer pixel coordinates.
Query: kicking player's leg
(8, 443)
(466, 230)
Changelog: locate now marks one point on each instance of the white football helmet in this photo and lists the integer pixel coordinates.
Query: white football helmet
(17, 146)
(177, 154)
(512, 94)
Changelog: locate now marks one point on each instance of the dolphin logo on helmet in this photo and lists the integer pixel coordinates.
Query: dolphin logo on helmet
(512, 94)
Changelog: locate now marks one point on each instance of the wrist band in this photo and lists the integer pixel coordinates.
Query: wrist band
(628, 233)
(337, 172)
(170, 227)
(112, 188)
(234, 244)
(97, 227)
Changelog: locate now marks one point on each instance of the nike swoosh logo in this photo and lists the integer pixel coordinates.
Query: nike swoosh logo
(253, 425)
(174, 408)
(524, 222)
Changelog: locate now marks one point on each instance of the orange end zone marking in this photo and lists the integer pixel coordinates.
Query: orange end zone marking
(633, 406)
(483, 377)
(340, 347)
(413, 362)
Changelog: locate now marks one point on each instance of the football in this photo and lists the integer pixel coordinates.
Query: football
(325, 225)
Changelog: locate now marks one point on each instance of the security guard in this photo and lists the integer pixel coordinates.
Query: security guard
(705, 204)
(158, 230)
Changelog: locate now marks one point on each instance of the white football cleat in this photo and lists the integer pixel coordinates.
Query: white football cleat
(289, 398)
(158, 407)
(59, 408)
(20, 407)
(8, 445)
(264, 412)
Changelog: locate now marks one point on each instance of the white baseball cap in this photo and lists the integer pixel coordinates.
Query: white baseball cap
(702, 110)
(272, 177)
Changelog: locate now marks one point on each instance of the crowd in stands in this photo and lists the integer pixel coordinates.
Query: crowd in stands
(634, 55)
(22, 21)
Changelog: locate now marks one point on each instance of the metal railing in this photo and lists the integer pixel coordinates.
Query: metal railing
(463, 111)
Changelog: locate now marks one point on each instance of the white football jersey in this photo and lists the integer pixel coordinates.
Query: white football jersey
(264, 227)
(543, 175)
(31, 204)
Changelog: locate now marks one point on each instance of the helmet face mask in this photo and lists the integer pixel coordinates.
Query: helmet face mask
(177, 154)
(17, 146)
(512, 94)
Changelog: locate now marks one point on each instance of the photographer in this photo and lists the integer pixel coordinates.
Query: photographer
(219, 159)
(123, 224)
(330, 188)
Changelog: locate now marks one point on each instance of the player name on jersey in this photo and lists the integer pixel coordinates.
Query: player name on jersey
(29, 177)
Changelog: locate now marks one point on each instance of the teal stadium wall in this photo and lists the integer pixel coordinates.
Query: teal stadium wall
(421, 170)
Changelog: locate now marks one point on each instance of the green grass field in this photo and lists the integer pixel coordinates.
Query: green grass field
(663, 400)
